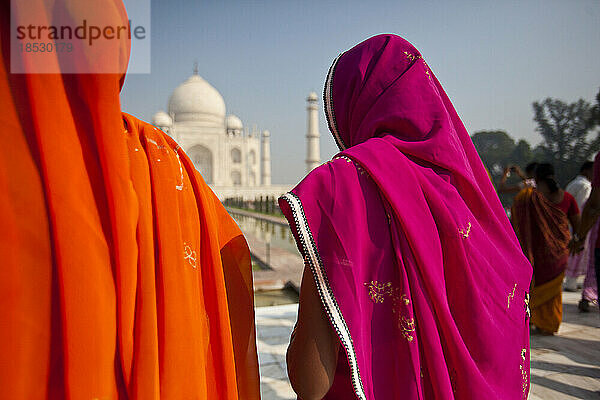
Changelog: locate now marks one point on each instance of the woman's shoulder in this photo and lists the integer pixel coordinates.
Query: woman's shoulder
(138, 124)
(338, 180)
(568, 197)
(337, 171)
(148, 132)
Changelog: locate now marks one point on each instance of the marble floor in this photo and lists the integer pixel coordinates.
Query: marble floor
(565, 366)
(274, 326)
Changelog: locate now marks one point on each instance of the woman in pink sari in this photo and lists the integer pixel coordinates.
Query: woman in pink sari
(415, 286)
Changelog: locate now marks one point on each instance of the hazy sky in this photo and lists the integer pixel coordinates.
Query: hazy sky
(493, 58)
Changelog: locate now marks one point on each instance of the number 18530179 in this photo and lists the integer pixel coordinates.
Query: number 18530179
(46, 47)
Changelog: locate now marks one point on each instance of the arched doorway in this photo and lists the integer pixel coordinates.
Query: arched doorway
(236, 156)
(236, 178)
(202, 158)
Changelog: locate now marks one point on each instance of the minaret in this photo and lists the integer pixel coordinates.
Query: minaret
(313, 152)
(265, 158)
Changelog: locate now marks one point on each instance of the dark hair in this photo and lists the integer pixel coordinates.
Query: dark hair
(544, 172)
(530, 168)
(586, 166)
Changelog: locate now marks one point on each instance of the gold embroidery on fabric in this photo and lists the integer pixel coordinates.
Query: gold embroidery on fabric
(404, 298)
(465, 232)
(189, 255)
(452, 374)
(511, 296)
(361, 170)
(427, 71)
(524, 376)
(378, 290)
(527, 310)
(411, 57)
(407, 327)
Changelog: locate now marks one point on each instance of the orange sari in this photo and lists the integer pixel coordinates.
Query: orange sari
(543, 231)
(123, 277)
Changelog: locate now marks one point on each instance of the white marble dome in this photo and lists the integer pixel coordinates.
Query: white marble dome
(197, 100)
(233, 123)
(161, 119)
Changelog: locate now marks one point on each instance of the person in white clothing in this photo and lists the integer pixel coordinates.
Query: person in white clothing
(580, 188)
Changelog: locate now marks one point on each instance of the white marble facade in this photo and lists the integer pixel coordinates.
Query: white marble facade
(233, 160)
(226, 154)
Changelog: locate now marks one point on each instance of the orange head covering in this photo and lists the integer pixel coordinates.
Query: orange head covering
(123, 276)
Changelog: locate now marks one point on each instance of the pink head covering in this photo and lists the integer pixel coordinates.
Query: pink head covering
(417, 265)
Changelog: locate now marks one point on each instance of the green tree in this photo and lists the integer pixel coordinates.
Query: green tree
(595, 117)
(568, 133)
(494, 148)
(522, 154)
(498, 150)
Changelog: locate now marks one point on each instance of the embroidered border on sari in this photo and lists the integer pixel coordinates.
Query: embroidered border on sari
(308, 249)
(328, 103)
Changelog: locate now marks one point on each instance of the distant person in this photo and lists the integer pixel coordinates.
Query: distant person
(541, 218)
(415, 286)
(527, 178)
(589, 294)
(122, 275)
(580, 188)
(590, 226)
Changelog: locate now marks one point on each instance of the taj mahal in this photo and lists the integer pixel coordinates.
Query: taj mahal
(233, 160)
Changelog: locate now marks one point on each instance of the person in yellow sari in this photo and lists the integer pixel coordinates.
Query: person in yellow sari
(541, 218)
(122, 277)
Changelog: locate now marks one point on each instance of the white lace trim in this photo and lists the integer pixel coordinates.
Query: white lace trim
(312, 258)
(328, 100)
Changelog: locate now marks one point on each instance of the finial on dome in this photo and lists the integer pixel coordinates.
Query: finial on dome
(195, 67)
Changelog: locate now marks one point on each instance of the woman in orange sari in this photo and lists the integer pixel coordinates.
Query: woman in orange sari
(122, 275)
(541, 218)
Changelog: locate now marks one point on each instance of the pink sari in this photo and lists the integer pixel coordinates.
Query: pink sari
(415, 261)
(590, 291)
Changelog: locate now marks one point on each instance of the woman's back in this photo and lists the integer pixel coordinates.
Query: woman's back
(416, 293)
